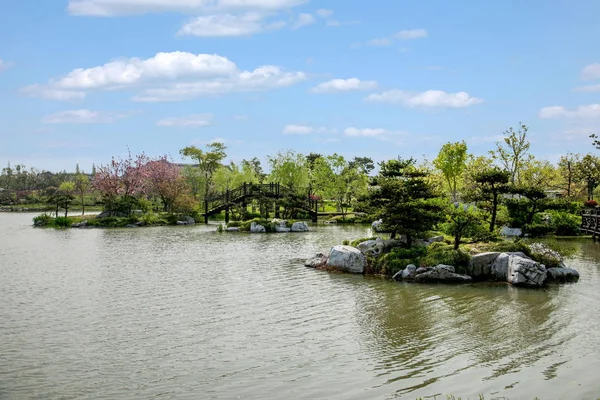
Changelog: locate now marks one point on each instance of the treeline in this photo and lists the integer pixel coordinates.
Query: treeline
(509, 186)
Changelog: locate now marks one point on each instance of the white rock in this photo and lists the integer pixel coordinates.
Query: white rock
(372, 247)
(300, 226)
(506, 231)
(347, 258)
(257, 228)
(480, 265)
(525, 272)
(280, 225)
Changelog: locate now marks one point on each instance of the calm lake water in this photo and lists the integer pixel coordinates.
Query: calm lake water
(188, 313)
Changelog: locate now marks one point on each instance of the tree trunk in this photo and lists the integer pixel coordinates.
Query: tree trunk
(456, 241)
(494, 210)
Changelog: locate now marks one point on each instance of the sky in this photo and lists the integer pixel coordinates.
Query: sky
(82, 81)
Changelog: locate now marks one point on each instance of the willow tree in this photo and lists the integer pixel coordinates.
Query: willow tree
(451, 162)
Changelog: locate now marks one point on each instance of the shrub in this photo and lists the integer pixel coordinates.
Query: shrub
(536, 229)
(397, 259)
(590, 203)
(445, 254)
(61, 222)
(42, 220)
(565, 224)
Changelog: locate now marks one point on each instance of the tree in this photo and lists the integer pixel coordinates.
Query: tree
(364, 164)
(491, 183)
(513, 153)
(208, 161)
(462, 220)
(289, 169)
(254, 166)
(337, 179)
(82, 187)
(540, 174)
(164, 180)
(451, 161)
(587, 170)
(65, 196)
(404, 199)
(567, 170)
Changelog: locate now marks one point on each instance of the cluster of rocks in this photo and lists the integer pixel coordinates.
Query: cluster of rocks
(280, 226)
(515, 268)
(187, 220)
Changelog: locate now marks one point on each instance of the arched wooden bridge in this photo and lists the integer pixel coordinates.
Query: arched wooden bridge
(590, 221)
(248, 191)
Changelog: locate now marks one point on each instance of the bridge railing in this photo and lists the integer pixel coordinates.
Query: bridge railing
(590, 218)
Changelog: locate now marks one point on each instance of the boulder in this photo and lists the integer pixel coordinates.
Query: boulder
(232, 229)
(105, 214)
(186, 220)
(409, 272)
(480, 265)
(299, 226)
(280, 225)
(371, 247)
(506, 231)
(442, 273)
(525, 272)
(318, 261)
(347, 259)
(257, 228)
(377, 225)
(561, 274)
(81, 224)
(131, 226)
(499, 268)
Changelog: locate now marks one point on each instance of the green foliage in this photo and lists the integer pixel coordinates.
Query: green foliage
(587, 170)
(245, 225)
(446, 254)
(451, 161)
(512, 154)
(538, 229)
(565, 224)
(61, 222)
(461, 220)
(508, 247)
(356, 242)
(42, 220)
(404, 199)
(396, 260)
(490, 184)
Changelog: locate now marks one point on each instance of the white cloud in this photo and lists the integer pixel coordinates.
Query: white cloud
(50, 93)
(588, 88)
(304, 19)
(83, 117)
(192, 121)
(323, 13)
(411, 34)
(344, 85)
(381, 42)
(582, 112)
(228, 25)
(111, 8)
(591, 72)
(429, 98)
(364, 132)
(305, 130)
(166, 77)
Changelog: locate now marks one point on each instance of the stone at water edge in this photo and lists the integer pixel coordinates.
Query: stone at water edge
(233, 229)
(300, 226)
(525, 272)
(280, 225)
(561, 274)
(318, 261)
(442, 273)
(499, 268)
(480, 265)
(407, 273)
(347, 258)
(257, 228)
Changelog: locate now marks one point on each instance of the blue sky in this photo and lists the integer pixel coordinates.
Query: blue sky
(82, 80)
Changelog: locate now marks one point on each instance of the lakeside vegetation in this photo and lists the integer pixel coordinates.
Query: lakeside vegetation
(457, 193)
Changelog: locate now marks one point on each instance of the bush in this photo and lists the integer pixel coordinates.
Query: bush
(537, 229)
(61, 222)
(356, 242)
(42, 220)
(590, 203)
(396, 260)
(565, 224)
(445, 254)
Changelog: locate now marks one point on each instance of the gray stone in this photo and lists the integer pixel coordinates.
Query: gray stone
(347, 258)
(131, 226)
(377, 225)
(371, 247)
(318, 261)
(300, 226)
(480, 265)
(105, 214)
(257, 228)
(186, 220)
(280, 225)
(525, 272)
(233, 229)
(421, 270)
(506, 231)
(435, 239)
(81, 224)
(499, 268)
(442, 273)
(562, 274)
(409, 272)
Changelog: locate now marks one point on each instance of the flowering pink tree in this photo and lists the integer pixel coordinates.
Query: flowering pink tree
(122, 178)
(164, 179)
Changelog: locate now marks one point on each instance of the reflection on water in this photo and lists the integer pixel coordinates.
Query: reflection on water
(185, 312)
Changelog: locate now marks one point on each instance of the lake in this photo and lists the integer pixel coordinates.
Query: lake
(189, 313)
